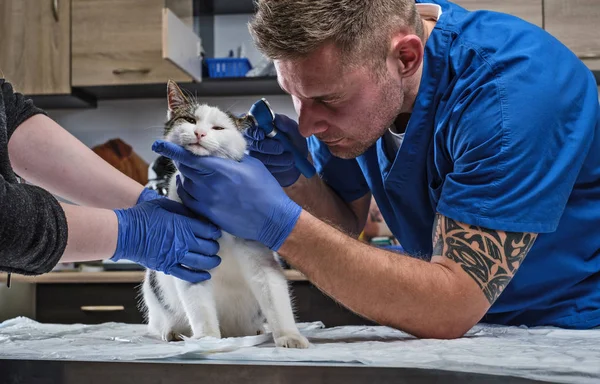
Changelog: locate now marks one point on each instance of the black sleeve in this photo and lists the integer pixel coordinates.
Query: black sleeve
(17, 107)
(33, 226)
(33, 229)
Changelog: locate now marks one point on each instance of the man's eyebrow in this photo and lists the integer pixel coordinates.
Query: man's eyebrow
(328, 96)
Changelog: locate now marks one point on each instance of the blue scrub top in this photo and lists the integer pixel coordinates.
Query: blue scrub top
(504, 134)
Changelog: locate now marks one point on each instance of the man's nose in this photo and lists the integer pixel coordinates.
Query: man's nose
(310, 119)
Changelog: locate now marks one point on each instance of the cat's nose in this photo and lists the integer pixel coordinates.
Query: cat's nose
(199, 135)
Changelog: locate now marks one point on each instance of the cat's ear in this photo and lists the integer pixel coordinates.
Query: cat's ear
(242, 122)
(175, 97)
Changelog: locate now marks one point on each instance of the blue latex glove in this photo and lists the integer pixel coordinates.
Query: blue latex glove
(162, 235)
(272, 154)
(242, 197)
(148, 194)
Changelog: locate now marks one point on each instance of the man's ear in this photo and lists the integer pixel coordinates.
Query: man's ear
(175, 97)
(406, 53)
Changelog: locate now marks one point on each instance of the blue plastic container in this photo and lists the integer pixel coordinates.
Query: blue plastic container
(228, 67)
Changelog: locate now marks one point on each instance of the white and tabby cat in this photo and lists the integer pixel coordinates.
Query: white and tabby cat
(249, 285)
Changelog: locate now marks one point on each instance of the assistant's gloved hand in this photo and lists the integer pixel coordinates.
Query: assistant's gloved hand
(148, 194)
(162, 235)
(242, 197)
(271, 153)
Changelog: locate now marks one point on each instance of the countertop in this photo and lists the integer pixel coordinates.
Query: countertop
(102, 277)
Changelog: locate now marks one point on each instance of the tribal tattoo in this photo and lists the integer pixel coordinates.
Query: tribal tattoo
(489, 257)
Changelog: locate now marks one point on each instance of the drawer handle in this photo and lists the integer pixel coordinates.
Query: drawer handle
(123, 71)
(102, 308)
(588, 56)
(55, 9)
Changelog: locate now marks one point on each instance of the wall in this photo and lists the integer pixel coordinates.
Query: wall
(232, 31)
(140, 122)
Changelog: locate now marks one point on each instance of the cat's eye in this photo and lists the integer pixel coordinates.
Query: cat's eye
(190, 120)
(216, 128)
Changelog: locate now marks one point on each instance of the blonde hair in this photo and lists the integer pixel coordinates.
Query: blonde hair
(360, 29)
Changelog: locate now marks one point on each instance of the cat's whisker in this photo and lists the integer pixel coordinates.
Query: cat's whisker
(233, 105)
(192, 97)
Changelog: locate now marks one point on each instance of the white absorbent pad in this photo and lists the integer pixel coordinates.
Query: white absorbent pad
(541, 353)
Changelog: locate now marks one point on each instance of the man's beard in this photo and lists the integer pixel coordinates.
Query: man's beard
(386, 115)
(353, 151)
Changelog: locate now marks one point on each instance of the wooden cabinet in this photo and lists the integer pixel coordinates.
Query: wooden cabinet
(575, 23)
(35, 36)
(530, 10)
(118, 42)
(96, 297)
(94, 303)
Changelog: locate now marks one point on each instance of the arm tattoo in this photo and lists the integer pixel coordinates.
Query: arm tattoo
(489, 257)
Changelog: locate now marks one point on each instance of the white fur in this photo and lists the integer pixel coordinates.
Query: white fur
(227, 142)
(249, 281)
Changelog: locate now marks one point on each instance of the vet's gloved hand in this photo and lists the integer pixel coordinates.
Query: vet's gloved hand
(242, 197)
(272, 154)
(148, 194)
(162, 235)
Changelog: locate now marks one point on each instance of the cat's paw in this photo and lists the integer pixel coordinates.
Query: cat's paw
(171, 336)
(214, 334)
(260, 329)
(292, 340)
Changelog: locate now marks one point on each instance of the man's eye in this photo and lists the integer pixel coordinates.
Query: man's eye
(218, 128)
(190, 120)
(329, 101)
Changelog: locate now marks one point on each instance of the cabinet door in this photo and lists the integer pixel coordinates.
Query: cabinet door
(180, 45)
(120, 42)
(575, 24)
(530, 10)
(36, 46)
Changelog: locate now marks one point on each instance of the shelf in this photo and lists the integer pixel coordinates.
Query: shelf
(87, 97)
(76, 100)
(246, 86)
(224, 7)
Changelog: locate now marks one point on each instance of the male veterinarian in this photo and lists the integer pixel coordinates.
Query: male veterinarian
(478, 135)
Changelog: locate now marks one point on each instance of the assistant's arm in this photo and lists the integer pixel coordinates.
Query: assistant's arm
(443, 298)
(45, 154)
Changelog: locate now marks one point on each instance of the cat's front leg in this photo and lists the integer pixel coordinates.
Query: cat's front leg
(269, 285)
(166, 324)
(199, 305)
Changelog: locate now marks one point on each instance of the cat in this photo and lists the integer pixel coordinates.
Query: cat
(249, 286)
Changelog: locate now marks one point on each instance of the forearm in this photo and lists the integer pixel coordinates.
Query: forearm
(92, 233)
(315, 196)
(47, 155)
(421, 298)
